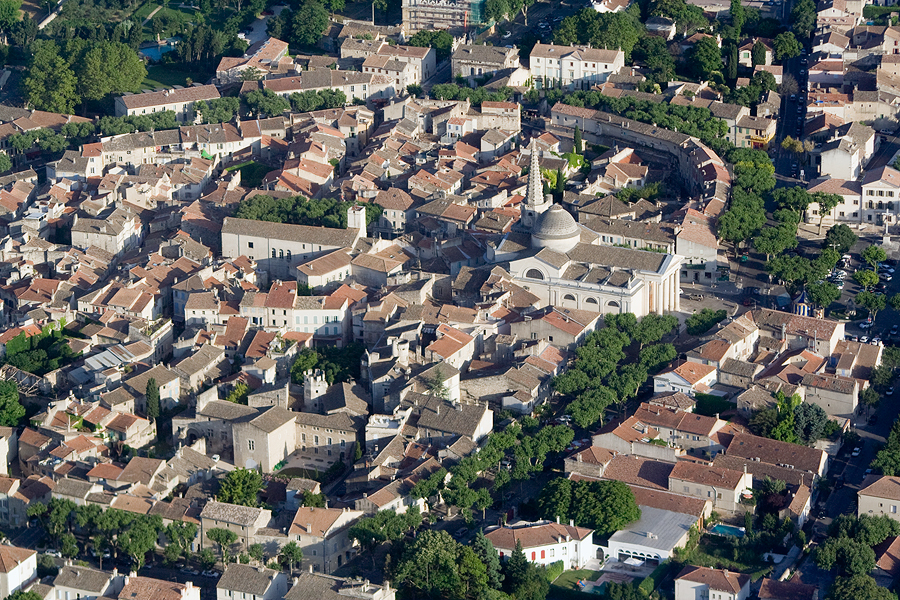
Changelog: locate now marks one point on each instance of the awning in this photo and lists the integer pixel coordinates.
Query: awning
(634, 562)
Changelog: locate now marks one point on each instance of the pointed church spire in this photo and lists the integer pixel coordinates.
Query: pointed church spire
(535, 186)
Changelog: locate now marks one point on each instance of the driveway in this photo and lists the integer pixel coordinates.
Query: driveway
(258, 27)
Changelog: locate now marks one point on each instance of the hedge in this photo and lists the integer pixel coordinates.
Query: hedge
(654, 579)
(554, 570)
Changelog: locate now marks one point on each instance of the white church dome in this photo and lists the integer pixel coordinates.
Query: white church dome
(556, 229)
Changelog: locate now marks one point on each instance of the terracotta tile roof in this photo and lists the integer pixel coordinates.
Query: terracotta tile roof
(147, 588)
(706, 475)
(750, 446)
(772, 589)
(691, 372)
(532, 536)
(884, 487)
(641, 472)
(314, 521)
(719, 580)
(12, 556)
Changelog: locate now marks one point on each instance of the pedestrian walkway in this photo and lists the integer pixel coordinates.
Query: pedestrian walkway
(150, 16)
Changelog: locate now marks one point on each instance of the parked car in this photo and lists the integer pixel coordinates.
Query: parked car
(189, 571)
(856, 451)
(865, 325)
(211, 573)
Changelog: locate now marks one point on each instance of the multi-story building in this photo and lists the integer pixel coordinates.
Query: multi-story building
(702, 583)
(573, 67)
(179, 100)
(880, 496)
(546, 542)
(322, 534)
(441, 14)
(278, 248)
(474, 62)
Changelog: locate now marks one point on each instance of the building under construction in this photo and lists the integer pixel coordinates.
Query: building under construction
(456, 16)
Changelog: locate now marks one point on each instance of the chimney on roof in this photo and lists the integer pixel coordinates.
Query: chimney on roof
(310, 570)
(571, 522)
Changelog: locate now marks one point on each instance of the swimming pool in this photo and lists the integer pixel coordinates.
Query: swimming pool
(721, 529)
(155, 53)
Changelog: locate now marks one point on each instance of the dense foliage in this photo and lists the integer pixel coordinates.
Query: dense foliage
(241, 486)
(338, 364)
(701, 322)
(605, 506)
(42, 353)
(597, 380)
(297, 210)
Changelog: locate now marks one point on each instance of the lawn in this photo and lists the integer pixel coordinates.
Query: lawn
(164, 76)
(566, 585)
(144, 11)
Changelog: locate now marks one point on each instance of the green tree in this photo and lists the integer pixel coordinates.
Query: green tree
(653, 52)
(803, 18)
(809, 422)
(857, 587)
(109, 68)
(848, 556)
(206, 558)
(555, 500)
(140, 538)
(866, 279)
(11, 410)
(758, 53)
(152, 393)
(256, 553)
(50, 82)
(786, 46)
(428, 567)
(9, 14)
(496, 10)
(775, 240)
(486, 553)
(706, 58)
(180, 536)
(224, 538)
(23, 595)
(577, 141)
(310, 20)
(873, 255)
(653, 328)
(840, 237)
(290, 555)
(241, 486)
(68, 545)
(744, 218)
(5, 162)
(822, 294)
(516, 568)
(826, 203)
(872, 302)
(738, 17)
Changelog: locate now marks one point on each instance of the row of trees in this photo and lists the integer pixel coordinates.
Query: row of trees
(601, 377)
(298, 210)
(848, 550)
(60, 77)
(604, 506)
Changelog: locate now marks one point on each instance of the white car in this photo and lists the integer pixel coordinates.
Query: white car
(876, 340)
(856, 451)
(863, 339)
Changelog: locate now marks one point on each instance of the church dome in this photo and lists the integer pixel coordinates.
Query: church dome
(556, 229)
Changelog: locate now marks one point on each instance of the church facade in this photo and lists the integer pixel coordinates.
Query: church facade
(565, 265)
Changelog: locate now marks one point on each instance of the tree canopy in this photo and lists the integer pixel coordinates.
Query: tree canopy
(241, 486)
(605, 506)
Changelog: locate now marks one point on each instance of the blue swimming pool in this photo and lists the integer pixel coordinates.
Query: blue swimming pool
(155, 53)
(728, 530)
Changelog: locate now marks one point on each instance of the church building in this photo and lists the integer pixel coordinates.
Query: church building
(563, 263)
